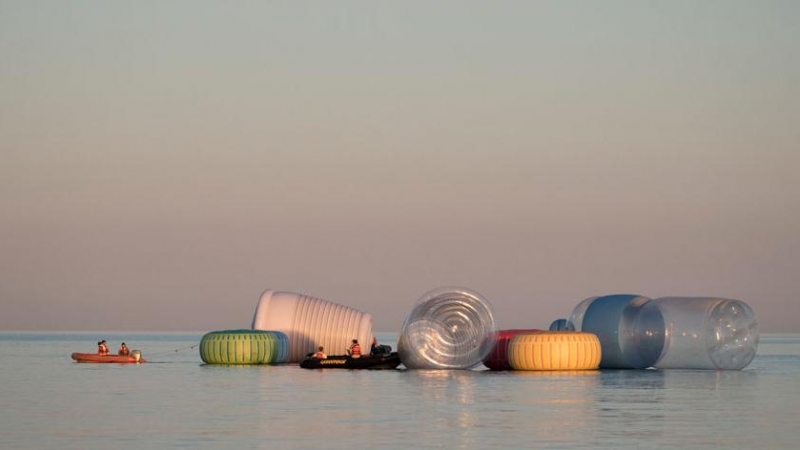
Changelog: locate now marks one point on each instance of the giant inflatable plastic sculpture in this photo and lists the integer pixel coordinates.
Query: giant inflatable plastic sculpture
(244, 347)
(707, 333)
(449, 328)
(630, 329)
(497, 359)
(312, 322)
(671, 332)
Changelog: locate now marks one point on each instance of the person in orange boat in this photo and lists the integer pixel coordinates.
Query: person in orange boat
(355, 350)
(123, 350)
(320, 354)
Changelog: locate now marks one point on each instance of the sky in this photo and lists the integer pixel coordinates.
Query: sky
(164, 163)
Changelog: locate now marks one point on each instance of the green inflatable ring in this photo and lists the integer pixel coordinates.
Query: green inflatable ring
(244, 347)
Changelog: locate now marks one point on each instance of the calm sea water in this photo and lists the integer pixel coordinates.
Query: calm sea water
(175, 401)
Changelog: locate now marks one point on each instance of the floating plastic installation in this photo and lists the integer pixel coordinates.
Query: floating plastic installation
(554, 350)
(669, 333)
(630, 329)
(707, 333)
(448, 328)
(498, 357)
(312, 322)
(244, 347)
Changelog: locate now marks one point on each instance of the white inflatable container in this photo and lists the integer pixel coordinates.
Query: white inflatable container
(707, 333)
(312, 322)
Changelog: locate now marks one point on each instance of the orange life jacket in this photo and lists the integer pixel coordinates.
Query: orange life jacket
(355, 349)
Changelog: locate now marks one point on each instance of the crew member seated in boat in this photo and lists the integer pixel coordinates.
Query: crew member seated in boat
(373, 349)
(123, 350)
(102, 348)
(320, 354)
(355, 350)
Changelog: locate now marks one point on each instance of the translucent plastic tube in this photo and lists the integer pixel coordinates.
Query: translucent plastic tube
(312, 322)
(630, 329)
(448, 328)
(707, 333)
(561, 325)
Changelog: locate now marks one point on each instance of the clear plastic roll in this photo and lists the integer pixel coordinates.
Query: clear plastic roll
(310, 322)
(448, 328)
(630, 329)
(707, 333)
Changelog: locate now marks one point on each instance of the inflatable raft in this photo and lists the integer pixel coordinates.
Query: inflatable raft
(133, 358)
(374, 362)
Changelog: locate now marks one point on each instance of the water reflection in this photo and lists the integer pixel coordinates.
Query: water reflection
(186, 404)
(708, 379)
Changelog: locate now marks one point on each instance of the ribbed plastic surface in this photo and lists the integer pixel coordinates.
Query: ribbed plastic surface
(554, 350)
(243, 347)
(311, 322)
(448, 328)
(498, 357)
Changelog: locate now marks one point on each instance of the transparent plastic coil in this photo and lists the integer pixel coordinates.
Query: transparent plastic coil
(448, 328)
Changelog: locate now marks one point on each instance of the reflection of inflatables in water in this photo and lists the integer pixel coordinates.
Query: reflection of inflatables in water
(671, 332)
(448, 328)
(244, 347)
(309, 322)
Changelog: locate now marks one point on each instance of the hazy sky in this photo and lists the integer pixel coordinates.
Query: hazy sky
(164, 162)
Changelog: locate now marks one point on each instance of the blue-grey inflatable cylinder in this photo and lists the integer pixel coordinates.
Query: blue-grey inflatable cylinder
(630, 329)
(707, 333)
(561, 325)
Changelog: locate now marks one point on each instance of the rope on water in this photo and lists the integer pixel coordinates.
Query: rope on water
(177, 350)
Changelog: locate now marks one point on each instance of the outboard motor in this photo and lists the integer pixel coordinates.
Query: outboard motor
(380, 350)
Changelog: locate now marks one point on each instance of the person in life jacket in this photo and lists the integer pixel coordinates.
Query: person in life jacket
(123, 350)
(355, 350)
(320, 354)
(373, 349)
(102, 348)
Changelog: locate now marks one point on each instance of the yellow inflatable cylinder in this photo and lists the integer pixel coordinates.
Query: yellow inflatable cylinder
(554, 350)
